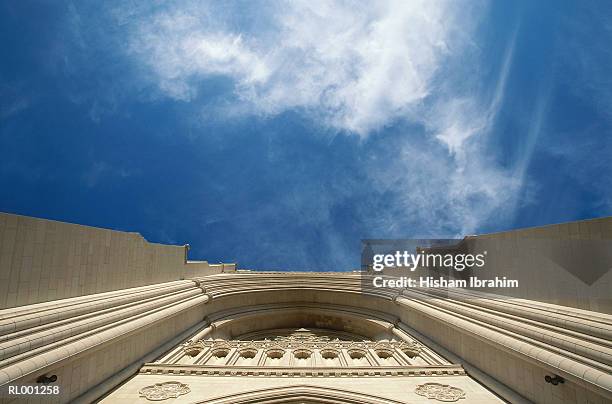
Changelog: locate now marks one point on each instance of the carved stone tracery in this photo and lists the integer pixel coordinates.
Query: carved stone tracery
(305, 348)
(302, 343)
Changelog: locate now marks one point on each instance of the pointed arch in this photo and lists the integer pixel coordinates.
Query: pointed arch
(300, 394)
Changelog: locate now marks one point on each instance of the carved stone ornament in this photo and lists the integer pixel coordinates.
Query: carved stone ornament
(440, 392)
(414, 348)
(164, 391)
(411, 349)
(192, 349)
(303, 336)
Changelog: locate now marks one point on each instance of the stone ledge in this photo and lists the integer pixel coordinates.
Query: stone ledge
(283, 371)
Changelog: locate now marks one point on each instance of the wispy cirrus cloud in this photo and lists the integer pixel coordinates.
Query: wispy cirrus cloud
(358, 68)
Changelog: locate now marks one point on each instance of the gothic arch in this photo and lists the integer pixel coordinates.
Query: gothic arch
(300, 394)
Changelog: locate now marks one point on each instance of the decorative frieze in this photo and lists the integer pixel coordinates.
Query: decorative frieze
(286, 371)
(414, 348)
(302, 348)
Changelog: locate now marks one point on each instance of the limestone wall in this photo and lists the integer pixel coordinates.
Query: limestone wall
(43, 260)
(89, 340)
(95, 342)
(507, 345)
(569, 264)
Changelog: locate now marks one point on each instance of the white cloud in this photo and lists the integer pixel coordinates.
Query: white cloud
(179, 50)
(357, 67)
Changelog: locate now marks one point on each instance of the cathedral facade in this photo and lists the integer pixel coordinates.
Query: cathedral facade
(94, 315)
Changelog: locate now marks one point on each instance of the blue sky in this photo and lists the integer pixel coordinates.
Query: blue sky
(280, 134)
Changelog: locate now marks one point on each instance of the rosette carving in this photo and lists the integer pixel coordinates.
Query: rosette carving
(440, 392)
(164, 391)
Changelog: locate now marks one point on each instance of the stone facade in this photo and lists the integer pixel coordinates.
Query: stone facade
(45, 260)
(129, 321)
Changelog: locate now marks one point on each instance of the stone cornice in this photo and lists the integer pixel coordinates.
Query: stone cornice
(285, 371)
